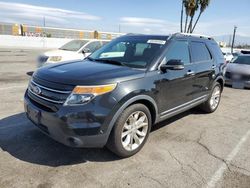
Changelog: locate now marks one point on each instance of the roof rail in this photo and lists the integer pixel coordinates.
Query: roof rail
(195, 35)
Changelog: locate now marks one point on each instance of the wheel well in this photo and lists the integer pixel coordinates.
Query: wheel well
(221, 82)
(149, 105)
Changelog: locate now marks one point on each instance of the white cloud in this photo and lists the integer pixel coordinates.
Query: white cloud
(135, 21)
(149, 25)
(223, 27)
(30, 14)
(159, 26)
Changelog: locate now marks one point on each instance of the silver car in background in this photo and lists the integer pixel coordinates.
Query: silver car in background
(238, 72)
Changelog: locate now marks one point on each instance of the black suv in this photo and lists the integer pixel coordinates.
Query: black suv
(115, 95)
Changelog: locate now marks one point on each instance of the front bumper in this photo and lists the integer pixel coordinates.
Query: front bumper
(230, 82)
(71, 126)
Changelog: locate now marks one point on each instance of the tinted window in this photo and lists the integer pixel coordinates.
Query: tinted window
(199, 52)
(242, 60)
(140, 47)
(129, 51)
(178, 51)
(214, 47)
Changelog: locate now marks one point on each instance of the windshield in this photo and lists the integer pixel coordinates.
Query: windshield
(73, 45)
(242, 60)
(133, 52)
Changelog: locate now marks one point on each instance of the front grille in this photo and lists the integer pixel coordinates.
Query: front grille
(48, 94)
(246, 77)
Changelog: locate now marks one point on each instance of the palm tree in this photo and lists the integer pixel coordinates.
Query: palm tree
(203, 5)
(182, 6)
(194, 7)
(189, 5)
(187, 11)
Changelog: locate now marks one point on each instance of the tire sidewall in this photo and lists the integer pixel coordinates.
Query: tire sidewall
(216, 84)
(118, 128)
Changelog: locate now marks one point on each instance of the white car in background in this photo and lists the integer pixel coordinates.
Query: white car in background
(228, 56)
(72, 51)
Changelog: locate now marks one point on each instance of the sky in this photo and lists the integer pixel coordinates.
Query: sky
(131, 16)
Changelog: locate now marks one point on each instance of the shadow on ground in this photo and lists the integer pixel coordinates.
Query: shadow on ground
(21, 139)
(24, 141)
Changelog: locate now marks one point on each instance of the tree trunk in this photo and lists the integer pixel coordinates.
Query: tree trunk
(190, 25)
(192, 29)
(186, 23)
(182, 16)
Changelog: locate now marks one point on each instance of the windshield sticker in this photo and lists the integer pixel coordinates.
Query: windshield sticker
(156, 41)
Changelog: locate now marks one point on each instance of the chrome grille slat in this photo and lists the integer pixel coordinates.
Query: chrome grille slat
(49, 89)
(48, 94)
(58, 102)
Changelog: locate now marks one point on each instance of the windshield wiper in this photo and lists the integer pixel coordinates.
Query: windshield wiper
(110, 61)
(89, 58)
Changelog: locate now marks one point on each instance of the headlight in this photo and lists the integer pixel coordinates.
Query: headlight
(55, 58)
(84, 94)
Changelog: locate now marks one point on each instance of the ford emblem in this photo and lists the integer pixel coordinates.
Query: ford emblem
(37, 90)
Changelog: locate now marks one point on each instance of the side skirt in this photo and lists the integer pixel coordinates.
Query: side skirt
(182, 108)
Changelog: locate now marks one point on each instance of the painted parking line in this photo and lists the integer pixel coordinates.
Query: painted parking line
(219, 173)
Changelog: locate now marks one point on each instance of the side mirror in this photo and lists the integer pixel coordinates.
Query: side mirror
(30, 73)
(86, 50)
(173, 64)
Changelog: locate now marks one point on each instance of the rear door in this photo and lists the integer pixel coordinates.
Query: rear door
(204, 68)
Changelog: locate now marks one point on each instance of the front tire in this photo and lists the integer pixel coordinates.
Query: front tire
(214, 99)
(130, 131)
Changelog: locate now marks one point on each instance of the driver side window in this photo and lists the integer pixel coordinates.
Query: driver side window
(178, 51)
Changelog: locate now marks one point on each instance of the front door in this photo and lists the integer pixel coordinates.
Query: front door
(175, 87)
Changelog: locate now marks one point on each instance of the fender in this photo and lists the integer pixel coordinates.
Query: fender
(220, 77)
(125, 105)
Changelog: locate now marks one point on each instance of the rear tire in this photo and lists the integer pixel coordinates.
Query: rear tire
(214, 99)
(130, 131)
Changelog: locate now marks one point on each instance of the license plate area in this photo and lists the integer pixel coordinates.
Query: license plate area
(33, 114)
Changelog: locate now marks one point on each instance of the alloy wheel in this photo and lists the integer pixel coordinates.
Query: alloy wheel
(215, 98)
(134, 130)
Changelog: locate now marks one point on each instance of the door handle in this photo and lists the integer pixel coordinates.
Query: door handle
(213, 66)
(190, 73)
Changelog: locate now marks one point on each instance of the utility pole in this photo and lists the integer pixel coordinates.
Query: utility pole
(232, 47)
(119, 28)
(44, 21)
(230, 41)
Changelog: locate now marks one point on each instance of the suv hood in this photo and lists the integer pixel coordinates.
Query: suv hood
(87, 73)
(238, 68)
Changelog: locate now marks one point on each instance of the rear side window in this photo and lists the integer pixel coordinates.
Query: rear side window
(199, 52)
(214, 47)
(178, 51)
